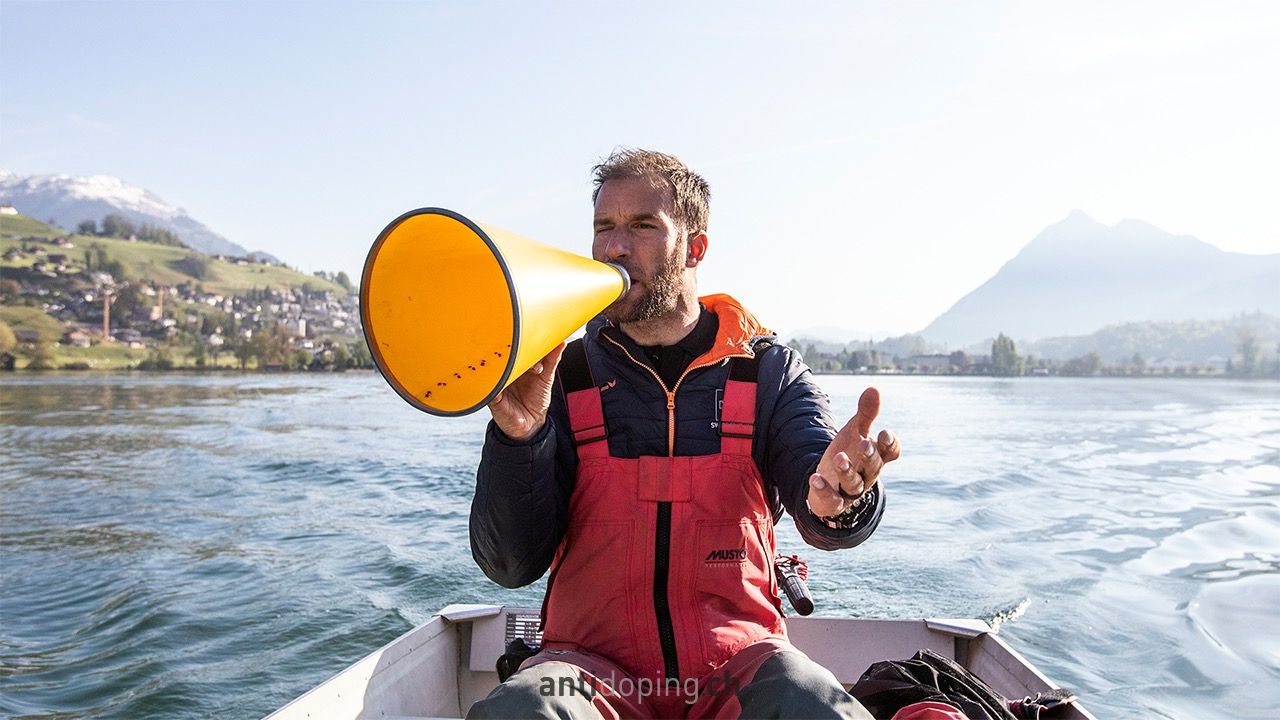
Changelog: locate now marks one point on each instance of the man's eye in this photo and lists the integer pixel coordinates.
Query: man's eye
(646, 226)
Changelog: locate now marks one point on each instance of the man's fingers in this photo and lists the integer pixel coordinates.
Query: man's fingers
(843, 463)
(868, 409)
(548, 362)
(521, 407)
(887, 444)
(823, 499)
(553, 358)
(871, 464)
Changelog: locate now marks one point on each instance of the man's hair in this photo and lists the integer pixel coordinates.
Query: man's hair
(690, 194)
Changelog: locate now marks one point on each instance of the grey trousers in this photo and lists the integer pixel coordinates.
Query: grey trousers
(770, 679)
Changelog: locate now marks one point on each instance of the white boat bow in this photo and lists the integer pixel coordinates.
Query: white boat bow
(440, 668)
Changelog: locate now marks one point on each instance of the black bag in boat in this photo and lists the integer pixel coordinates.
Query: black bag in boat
(890, 685)
(517, 652)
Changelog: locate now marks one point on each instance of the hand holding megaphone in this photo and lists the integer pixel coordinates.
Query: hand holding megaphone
(520, 410)
(454, 312)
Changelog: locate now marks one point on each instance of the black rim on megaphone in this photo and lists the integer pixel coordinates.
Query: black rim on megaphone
(371, 341)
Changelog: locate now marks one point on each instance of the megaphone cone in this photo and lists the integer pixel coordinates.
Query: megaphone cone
(455, 311)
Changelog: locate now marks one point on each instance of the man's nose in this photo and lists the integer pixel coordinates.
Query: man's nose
(614, 244)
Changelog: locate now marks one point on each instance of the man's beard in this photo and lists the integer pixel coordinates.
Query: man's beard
(659, 296)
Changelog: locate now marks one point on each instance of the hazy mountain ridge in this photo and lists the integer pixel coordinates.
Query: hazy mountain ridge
(1078, 276)
(898, 346)
(1186, 340)
(69, 200)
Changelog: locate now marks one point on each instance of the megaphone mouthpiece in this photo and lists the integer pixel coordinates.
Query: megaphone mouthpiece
(626, 277)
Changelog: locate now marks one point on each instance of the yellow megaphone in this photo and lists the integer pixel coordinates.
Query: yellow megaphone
(454, 311)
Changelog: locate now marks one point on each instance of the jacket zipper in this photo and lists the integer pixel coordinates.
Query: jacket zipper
(662, 540)
(671, 394)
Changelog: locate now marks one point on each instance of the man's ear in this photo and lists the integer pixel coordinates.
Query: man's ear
(697, 250)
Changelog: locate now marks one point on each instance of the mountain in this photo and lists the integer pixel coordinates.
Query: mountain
(1079, 275)
(900, 346)
(70, 200)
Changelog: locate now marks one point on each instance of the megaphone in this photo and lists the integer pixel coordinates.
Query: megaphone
(454, 311)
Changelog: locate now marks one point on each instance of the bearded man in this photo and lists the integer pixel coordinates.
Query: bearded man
(645, 466)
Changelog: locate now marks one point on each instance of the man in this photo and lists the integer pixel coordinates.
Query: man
(646, 465)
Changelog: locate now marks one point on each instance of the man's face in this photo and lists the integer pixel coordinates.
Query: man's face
(634, 228)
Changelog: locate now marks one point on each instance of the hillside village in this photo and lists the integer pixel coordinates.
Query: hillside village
(77, 301)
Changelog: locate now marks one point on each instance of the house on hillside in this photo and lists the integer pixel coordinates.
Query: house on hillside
(294, 328)
(77, 338)
(130, 337)
(7, 209)
(26, 335)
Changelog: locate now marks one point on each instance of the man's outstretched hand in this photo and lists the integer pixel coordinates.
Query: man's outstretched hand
(520, 410)
(852, 461)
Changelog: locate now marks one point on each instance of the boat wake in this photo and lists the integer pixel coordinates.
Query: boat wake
(1008, 615)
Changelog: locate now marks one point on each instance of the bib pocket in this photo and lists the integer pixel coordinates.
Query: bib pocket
(596, 555)
(733, 587)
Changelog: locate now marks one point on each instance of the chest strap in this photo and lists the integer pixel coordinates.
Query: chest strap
(738, 413)
(586, 410)
(586, 414)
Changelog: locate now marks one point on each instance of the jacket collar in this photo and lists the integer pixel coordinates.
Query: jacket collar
(738, 334)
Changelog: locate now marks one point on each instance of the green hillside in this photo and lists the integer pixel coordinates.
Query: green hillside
(31, 318)
(25, 226)
(156, 264)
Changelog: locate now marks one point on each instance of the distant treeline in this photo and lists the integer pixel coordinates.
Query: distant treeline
(339, 278)
(1247, 341)
(115, 225)
(1250, 358)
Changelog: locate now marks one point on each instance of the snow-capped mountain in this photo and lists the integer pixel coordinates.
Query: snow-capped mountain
(69, 200)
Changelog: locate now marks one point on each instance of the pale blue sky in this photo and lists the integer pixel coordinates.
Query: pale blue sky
(870, 162)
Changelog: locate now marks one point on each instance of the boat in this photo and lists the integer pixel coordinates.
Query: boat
(443, 666)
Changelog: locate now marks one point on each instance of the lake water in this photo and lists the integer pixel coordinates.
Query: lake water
(182, 546)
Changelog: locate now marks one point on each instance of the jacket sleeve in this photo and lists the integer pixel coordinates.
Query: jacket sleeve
(521, 507)
(794, 428)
